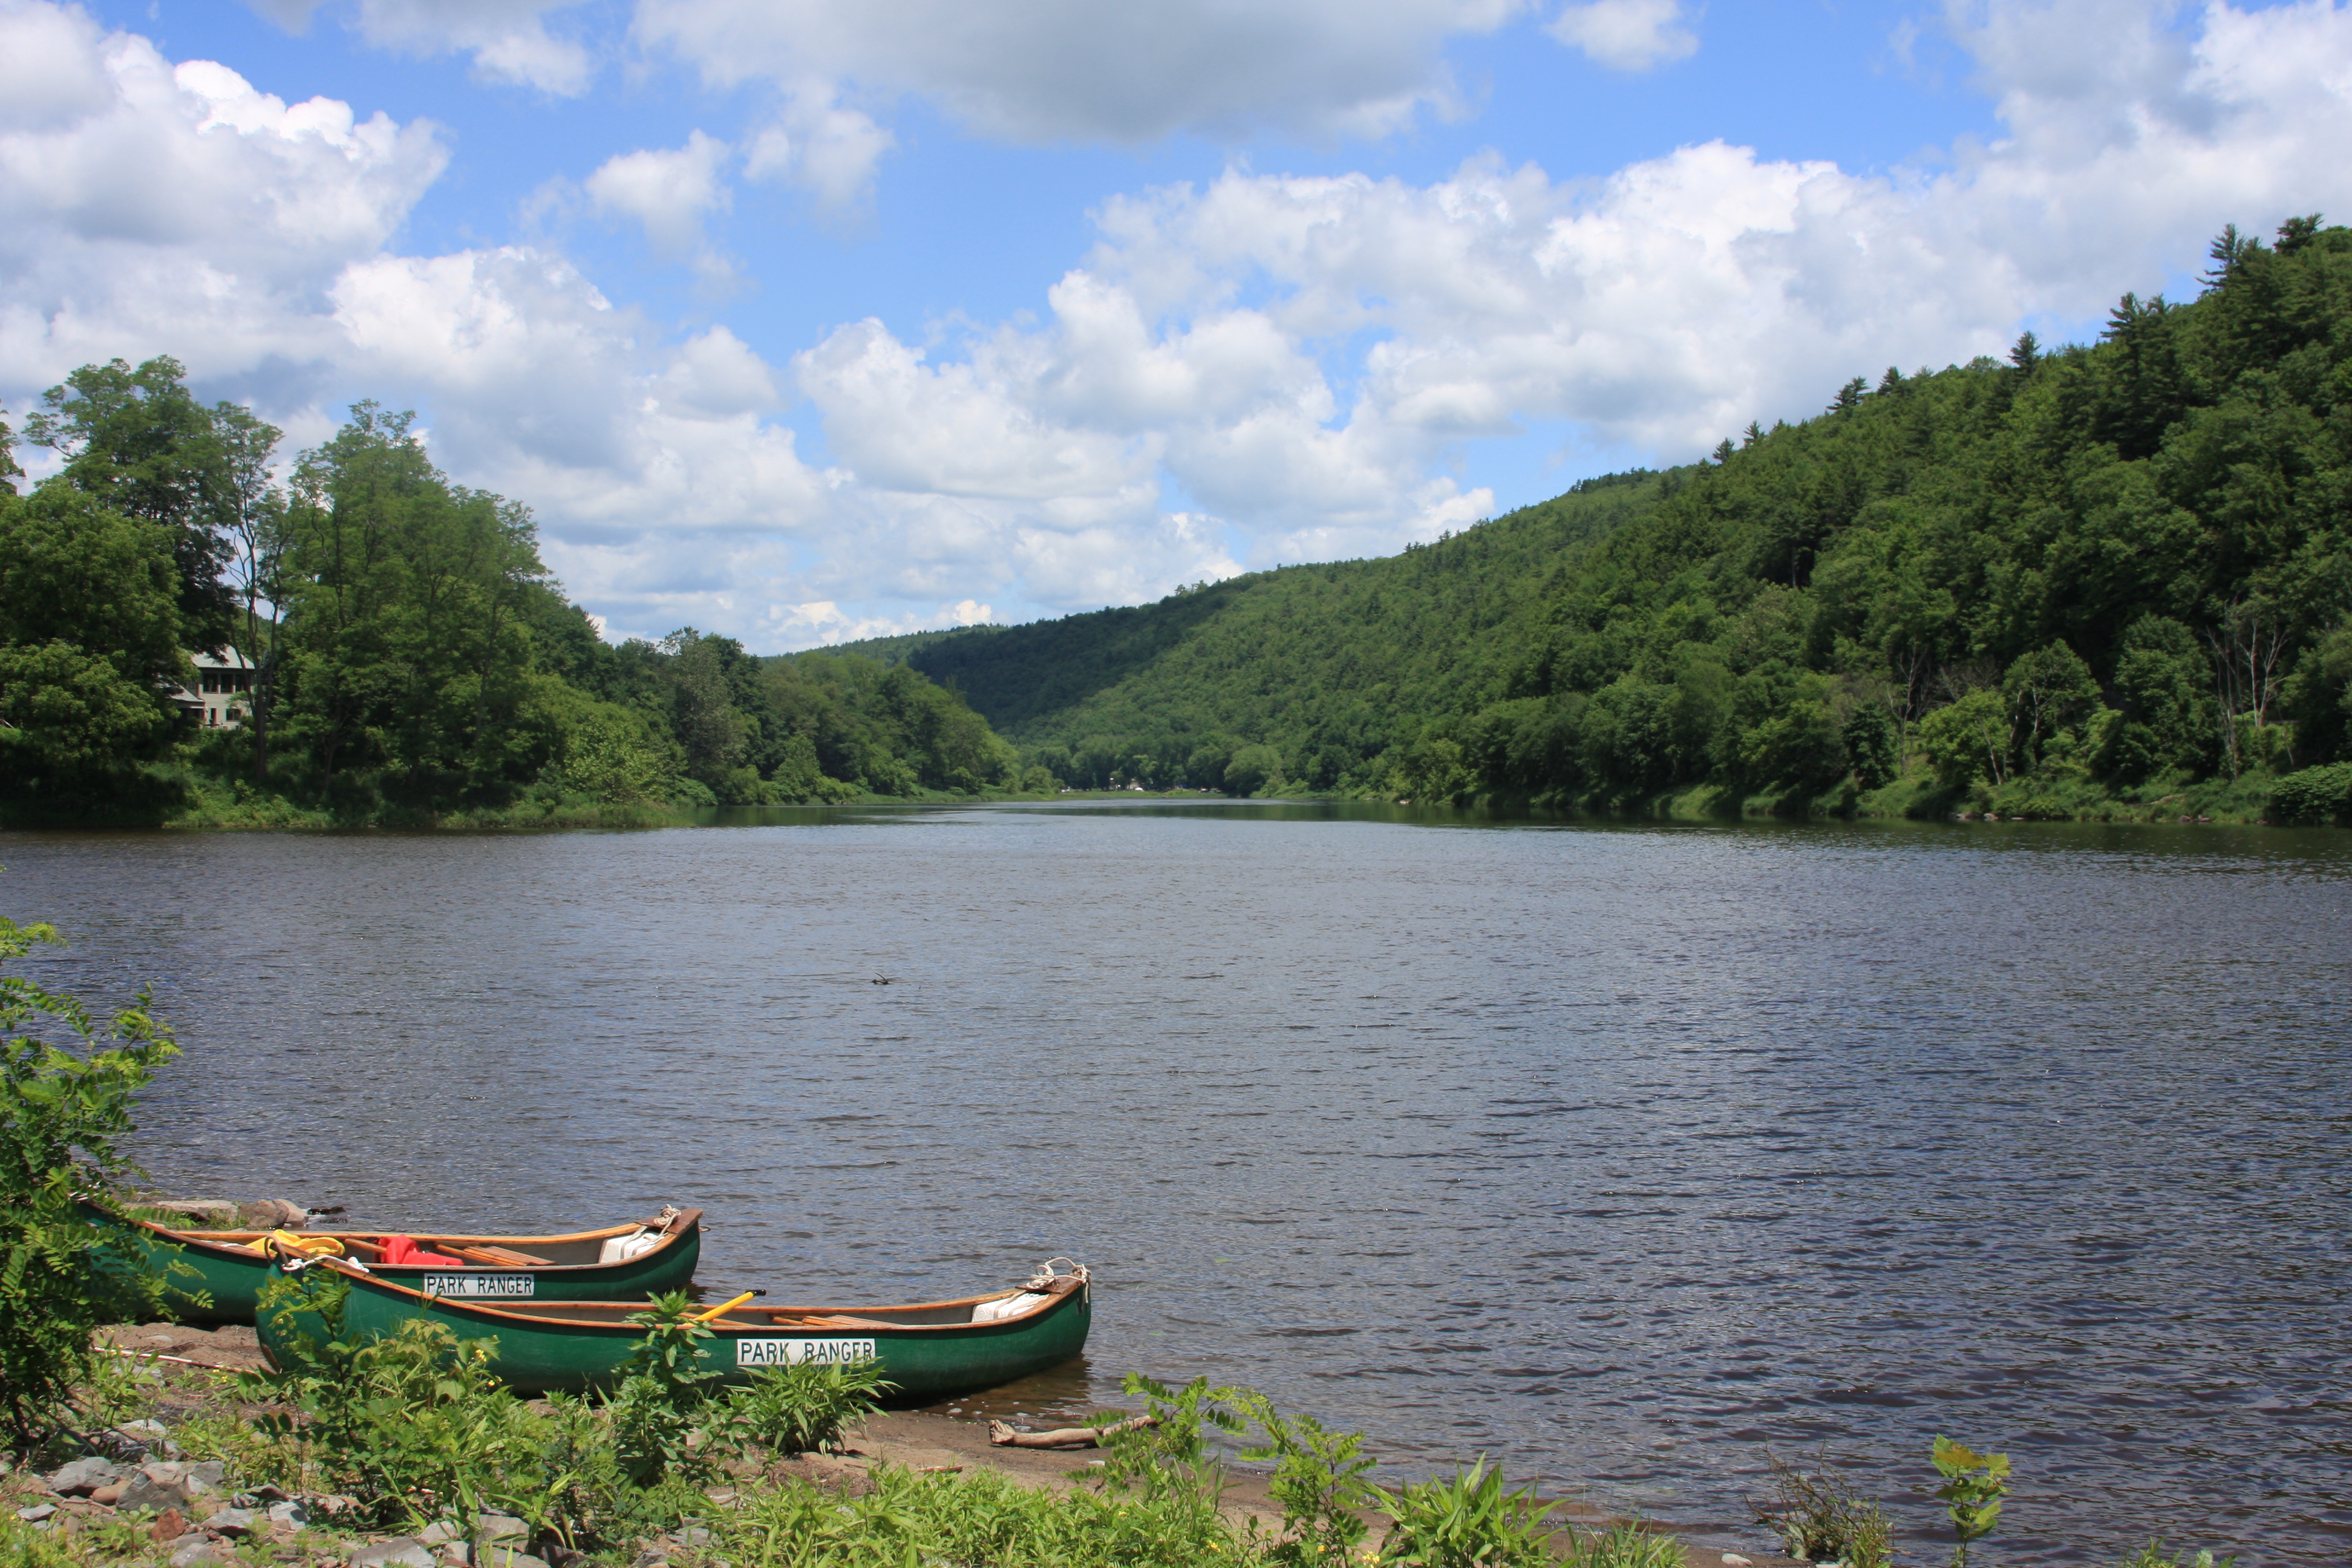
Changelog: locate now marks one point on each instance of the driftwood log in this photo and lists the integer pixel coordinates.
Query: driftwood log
(1004, 1437)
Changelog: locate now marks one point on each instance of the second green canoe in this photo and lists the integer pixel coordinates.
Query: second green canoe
(926, 1350)
(217, 1276)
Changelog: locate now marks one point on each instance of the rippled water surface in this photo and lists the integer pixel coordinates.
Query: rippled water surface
(1615, 1151)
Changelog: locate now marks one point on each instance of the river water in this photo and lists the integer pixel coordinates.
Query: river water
(1615, 1151)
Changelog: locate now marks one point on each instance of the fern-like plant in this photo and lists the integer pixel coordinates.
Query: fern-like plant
(801, 1409)
(1468, 1521)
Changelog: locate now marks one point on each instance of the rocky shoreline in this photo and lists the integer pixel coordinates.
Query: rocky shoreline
(192, 1514)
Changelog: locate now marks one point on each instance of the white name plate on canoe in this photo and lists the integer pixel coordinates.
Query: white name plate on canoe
(482, 1284)
(801, 1352)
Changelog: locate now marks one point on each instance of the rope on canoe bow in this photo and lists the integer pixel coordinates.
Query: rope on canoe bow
(1047, 1274)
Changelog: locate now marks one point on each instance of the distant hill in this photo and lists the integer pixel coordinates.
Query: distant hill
(2095, 575)
(1326, 662)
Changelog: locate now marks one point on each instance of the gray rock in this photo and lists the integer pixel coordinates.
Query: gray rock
(198, 1551)
(212, 1473)
(440, 1532)
(504, 1557)
(455, 1554)
(400, 1552)
(38, 1512)
(288, 1515)
(151, 1489)
(84, 1476)
(230, 1522)
(500, 1530)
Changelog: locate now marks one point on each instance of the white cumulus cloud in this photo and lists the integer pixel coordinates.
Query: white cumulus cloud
(1042, 70)
(1627, 34)
(821, 145)
(146, 206)
(666, 190)
(508, 39)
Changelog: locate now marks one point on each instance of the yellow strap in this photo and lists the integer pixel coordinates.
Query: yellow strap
(723, 1308)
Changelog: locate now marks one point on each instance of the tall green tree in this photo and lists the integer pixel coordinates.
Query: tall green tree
(10, 470)
(142, 445)
(89, 645)
(407, 645)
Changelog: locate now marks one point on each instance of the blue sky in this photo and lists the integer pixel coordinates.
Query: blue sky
(802, 322)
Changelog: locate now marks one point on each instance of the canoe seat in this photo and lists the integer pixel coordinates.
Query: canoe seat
(832, 1320)
(500, 1257)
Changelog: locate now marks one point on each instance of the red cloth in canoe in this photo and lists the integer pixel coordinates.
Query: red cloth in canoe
(404, 1249)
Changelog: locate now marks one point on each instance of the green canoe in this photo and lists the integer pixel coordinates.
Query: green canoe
(217, 1276)
(926, 1350)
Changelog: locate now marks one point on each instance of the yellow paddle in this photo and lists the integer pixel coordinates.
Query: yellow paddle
(722, 1308)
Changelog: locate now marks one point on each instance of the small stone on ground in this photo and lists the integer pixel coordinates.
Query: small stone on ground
(500, 1530)
(505, 1557)
(231, 1522)
(83, 1476)
(400, 1552)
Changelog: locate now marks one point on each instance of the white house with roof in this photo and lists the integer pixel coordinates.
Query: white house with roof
(224, 691)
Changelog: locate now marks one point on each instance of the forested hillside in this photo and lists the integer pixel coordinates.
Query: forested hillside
(1328, 663)
(2101, 575)
(413, 660)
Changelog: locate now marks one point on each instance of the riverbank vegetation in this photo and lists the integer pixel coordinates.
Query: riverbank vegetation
(410, 658)
(2105, 580)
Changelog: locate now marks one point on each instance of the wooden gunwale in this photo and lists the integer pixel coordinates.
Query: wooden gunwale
(607, 1314)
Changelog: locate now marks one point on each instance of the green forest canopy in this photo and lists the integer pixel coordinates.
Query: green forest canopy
(2098, 572)
(2095, 570)
(414, 657)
